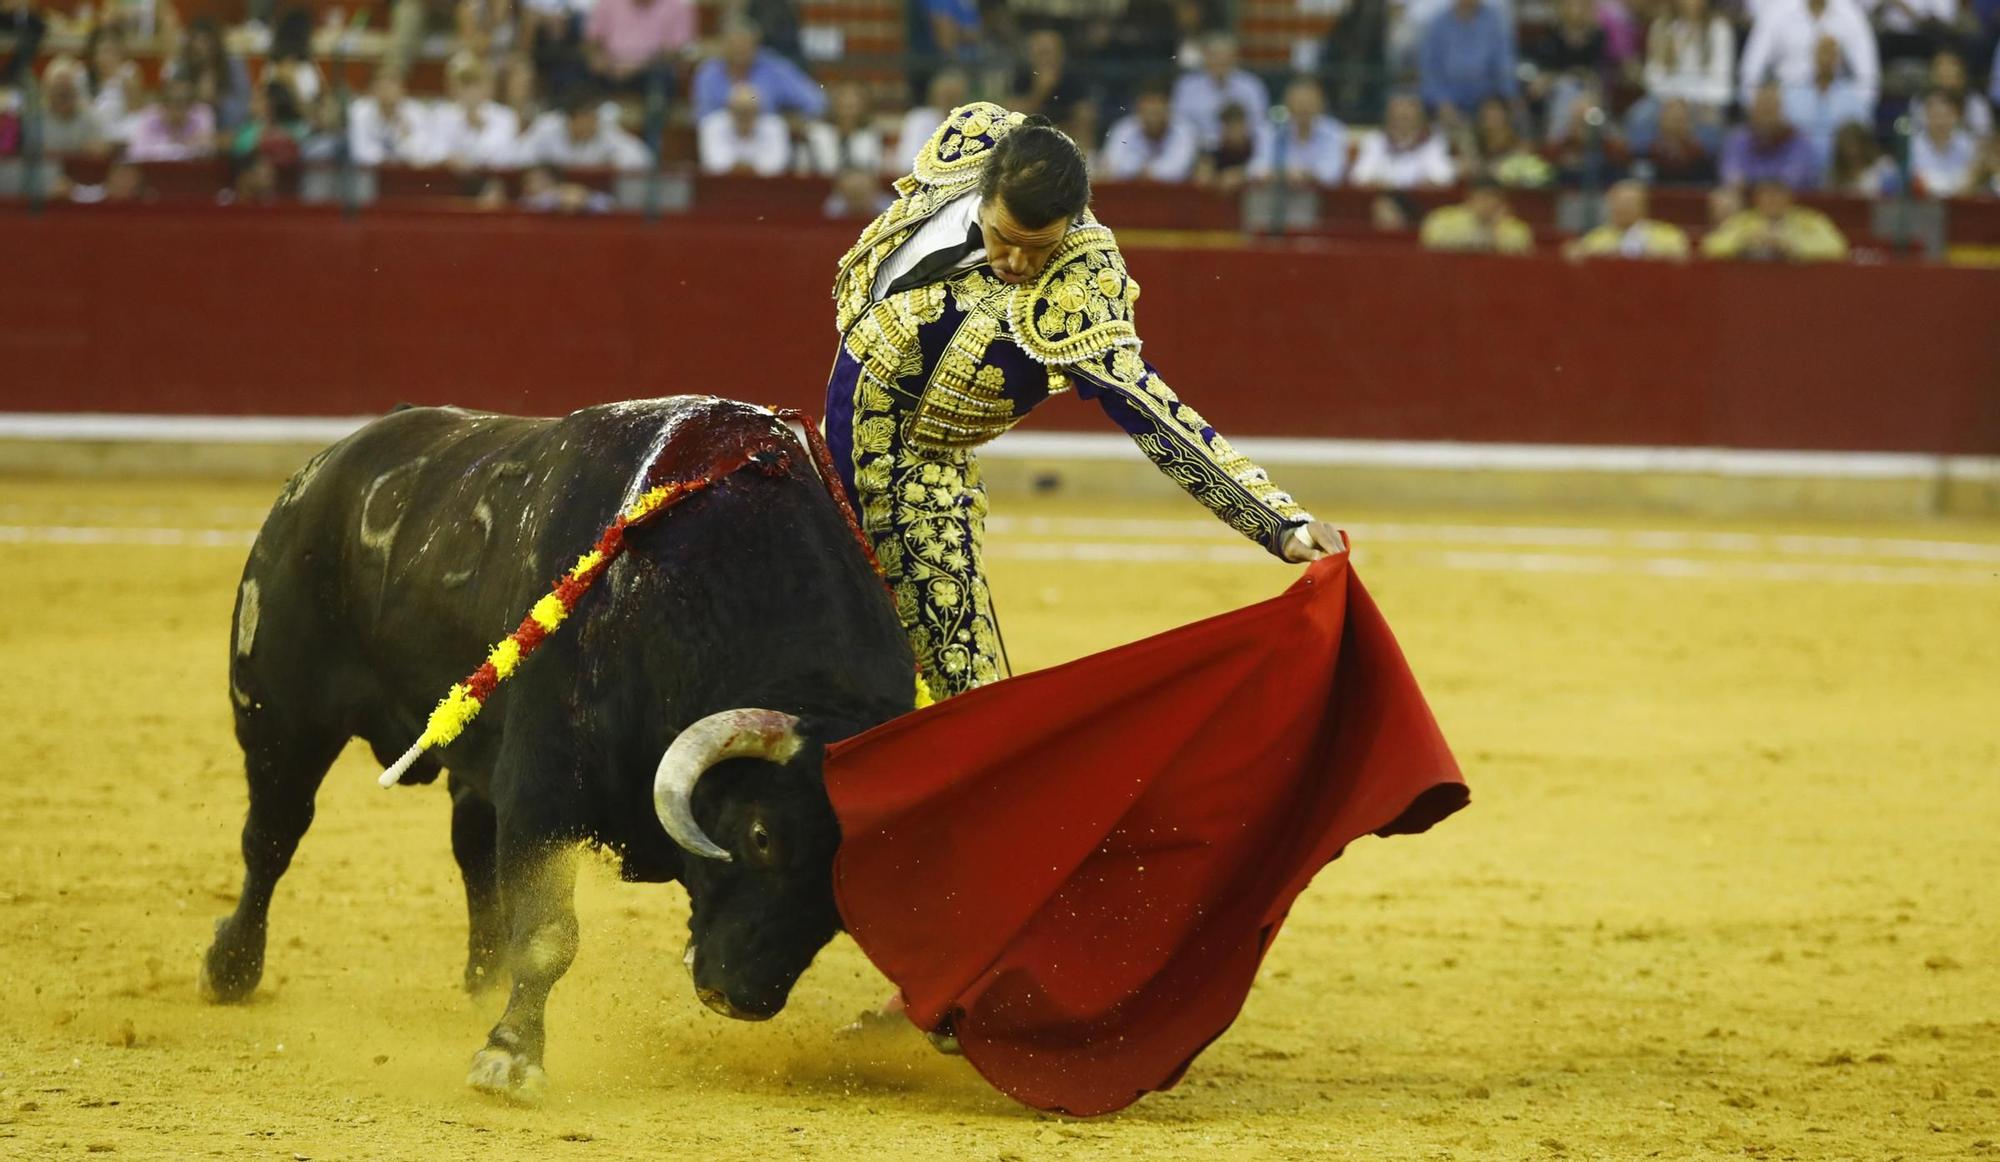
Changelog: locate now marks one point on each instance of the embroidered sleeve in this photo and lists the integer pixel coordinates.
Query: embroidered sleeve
(1190, 452)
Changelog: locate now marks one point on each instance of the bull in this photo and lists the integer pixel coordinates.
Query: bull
(678, 719)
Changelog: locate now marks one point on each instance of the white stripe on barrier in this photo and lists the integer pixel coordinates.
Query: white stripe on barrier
(1110, 446)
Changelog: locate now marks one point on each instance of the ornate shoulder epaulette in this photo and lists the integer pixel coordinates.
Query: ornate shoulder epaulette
(955, 154)
(1081, 306)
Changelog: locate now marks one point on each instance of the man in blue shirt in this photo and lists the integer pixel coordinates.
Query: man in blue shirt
(1467, 56)
(784, 87)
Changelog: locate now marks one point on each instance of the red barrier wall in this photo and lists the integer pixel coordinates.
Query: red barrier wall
(198, 310)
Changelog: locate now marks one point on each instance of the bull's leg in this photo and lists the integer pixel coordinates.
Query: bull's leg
(285, 769)
(538, 887)
(473, 838)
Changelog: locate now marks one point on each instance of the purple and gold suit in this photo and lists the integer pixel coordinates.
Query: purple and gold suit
(926, 375)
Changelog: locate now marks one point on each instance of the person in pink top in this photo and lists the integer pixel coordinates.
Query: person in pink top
(177, 128)
(624, 40)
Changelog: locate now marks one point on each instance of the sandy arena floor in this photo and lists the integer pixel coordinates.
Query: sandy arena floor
(1727, 887)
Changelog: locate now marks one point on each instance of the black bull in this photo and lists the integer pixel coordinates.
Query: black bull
(394, 560)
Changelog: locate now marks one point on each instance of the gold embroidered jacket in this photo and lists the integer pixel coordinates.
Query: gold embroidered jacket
(940, 369)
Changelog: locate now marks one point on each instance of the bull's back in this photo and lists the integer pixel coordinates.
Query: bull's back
(392, 561)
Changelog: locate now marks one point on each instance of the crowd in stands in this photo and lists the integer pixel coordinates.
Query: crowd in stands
(1755, 103)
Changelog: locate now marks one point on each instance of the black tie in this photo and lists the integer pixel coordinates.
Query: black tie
(935, 264)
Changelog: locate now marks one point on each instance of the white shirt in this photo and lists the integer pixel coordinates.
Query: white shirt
(396, 136)
(1129, 153)
(547, 142)
(1199, 101)
(1781, 43)
(1320, 158)
(492, 144)
(828, 153)
(1945, 172)
(1378, 164)
(948, 227)
(1704, 68)
(918, 126)
(766, 149)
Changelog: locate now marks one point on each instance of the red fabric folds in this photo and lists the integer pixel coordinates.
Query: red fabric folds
(1082, 867)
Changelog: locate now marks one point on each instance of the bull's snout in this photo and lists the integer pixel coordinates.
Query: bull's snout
(718, 1000)
(715, 999)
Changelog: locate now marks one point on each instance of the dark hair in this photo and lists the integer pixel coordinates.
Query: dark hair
(1038, 173)
(292, 39)
(283, 101)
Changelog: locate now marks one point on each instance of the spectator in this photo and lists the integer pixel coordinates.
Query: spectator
(1200, 95)
(778, 20)
(1494, 149)
(1308, 147)
(946, 30)
(1691, 56)
(1678, 154)
(1404, 153)
(1775, 230)
(1942, 153)
(1357, 53)
(1829, 101)
(1627, 232)
(1787, 34)
(782, 87)
(1859, 167)
(220, 81)
(114, 80)
(1588, 147)
(553, 32)
(273, 128)
(1150, 143)
(743, 139)
(1466, 56)
(948, 90)
(1082, 127)
(520, 90)
(388, 127)
(291, 56)
(848, 139)
(628, 42)
(70, 125)
(177, 128)
(544, 191)
(1766, 146)
(579, 136)
(1045, 83)
(1986, 176)
(1570, 60)
(1224, 166)
(1911, 30)
(22, 23)
(856, 194)
(489, 31)
(1481, 224)
(472, 130)
(1948, 74)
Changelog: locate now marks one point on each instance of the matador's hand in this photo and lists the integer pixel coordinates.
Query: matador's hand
(1313, 540)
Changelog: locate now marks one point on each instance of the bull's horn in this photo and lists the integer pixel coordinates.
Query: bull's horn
(727, 734)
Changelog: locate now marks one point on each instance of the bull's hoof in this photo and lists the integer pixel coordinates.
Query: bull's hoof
(503, 1073)
(231, 969)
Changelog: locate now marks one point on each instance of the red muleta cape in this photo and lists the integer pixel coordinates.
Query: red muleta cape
(1082, 867)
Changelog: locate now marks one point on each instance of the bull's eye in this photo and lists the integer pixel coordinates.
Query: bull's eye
(760, 838)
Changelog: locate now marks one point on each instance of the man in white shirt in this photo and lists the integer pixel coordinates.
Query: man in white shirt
(740, 138)
(1403, 154)
(1199, 96)
(1312, 145)
(1786, 34)
(1819, 109)
(1149, 143)
(948, 90)
(472, 130)
(387, 127)
(580, 136)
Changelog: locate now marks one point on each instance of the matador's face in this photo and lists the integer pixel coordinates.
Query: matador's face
(1016, 252)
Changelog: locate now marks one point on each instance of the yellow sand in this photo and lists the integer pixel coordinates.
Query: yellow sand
(1727, 887)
